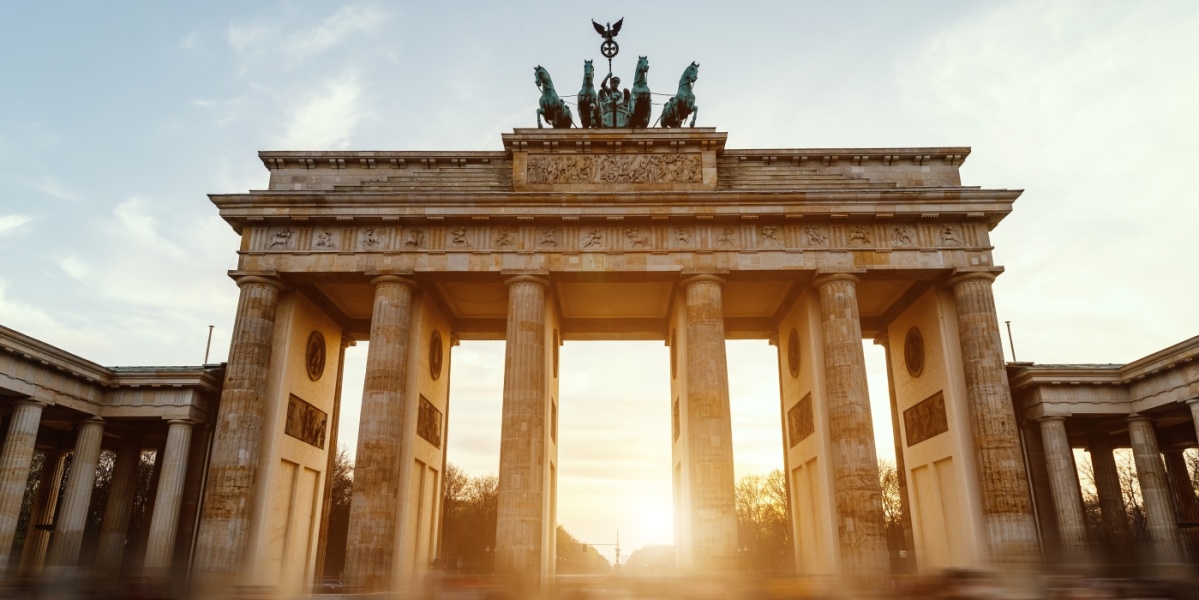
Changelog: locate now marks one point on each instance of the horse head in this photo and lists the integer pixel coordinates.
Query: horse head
(541, 76)
(692, 72)
(642, 65)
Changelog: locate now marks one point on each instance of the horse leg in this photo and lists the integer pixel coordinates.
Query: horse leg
(694, 114)
(540, 111)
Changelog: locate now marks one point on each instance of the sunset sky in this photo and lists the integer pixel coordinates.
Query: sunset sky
(117, 118)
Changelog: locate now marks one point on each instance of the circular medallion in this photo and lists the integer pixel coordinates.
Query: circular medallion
(913, 352)
(793, 353)
(435, 351)
(315, 355)
(609, 48)
(674, 356)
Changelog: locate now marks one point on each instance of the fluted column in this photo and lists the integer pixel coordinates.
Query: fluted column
(1193, 403)
(1002, 480)
(901, 472)
(854, 460)
(37, 539)
(1067, 493)
(381, 429)
(709, 426)
(160, 545)
(1155, 491)
(114, 529)
(1107, 488)
(15, 458)
(520, 527)
(240, 427)
(1180, 482)
(72, 515)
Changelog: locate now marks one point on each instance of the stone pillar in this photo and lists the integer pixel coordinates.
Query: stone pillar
(1180, 482)
(160, 545)
(901, 473)
(72, 515)
(1003, 483)
(1155, 492)
(322, 543)
(520, 525)
(233, 466)
(1067, 493)
(854, 460)
(15, 458)
(1193, 403)
(114, 529)
(1107, 487)
(710, 430)
(38, 539)
(370, 544)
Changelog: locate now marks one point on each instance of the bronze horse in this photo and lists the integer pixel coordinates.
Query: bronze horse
(589, 111)
(683, 102)
(555, 111)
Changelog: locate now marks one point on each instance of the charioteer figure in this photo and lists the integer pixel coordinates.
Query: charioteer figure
(614, 103)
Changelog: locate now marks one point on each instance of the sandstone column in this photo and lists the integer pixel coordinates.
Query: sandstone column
(233, 465)
(520, 527)
(160, 545)
(115, 527)
(1193, 403)
(854, 460)
(37, 539)
(1155, 491)
(322, 544)
(1002, 481)
(381, 430)
(710, 430)
(1180, 481)
(15, 457)
(1067, 493)
(72, 515)
(901, 473)
(1107, 487)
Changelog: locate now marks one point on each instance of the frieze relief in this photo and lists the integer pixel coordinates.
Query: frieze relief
(614, 168)
(643, 237)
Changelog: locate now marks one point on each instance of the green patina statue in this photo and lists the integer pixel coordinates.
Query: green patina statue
(614, 103)
(589, 105)
(683, 102)
(555, 111)
(640, 105)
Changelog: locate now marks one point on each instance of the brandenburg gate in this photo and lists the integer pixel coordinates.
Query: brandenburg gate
(637, 234)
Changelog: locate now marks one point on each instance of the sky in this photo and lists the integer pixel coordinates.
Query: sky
(117, 118)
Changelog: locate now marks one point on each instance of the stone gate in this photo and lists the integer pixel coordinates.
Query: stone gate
(615, 234)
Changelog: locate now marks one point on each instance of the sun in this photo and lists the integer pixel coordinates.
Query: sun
(655, 523)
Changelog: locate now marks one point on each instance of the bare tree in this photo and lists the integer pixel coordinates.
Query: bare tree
(763, 525)
(469, 512)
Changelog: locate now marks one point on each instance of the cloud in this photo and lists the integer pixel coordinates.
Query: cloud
(10, 224)
(330, 32)
(327, 119)
(243, 37)
(52, 187)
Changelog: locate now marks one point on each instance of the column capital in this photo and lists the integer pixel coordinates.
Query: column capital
(824, 278)
(92, 421)
(267, 279)
(1192, 401)
(1138, 417)
(961, 276)
(1050, 418)
(882, 339)
(400, 279)
(694, 278)
(188, 422)
(29, 402)
(538, 279)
